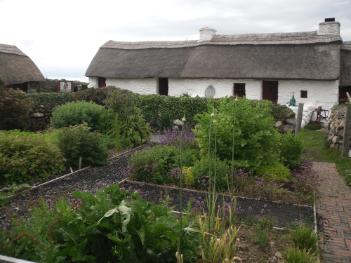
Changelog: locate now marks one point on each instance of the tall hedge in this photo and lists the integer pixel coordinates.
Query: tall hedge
(43, 106)
(161, 111)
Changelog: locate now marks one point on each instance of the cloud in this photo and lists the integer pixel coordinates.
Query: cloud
(62, 36)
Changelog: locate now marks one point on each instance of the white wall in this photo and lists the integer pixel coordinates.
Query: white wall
(319, 93)
(141, 86)
(93, 82)
(223, 87)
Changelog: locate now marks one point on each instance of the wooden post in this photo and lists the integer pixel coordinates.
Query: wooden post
(347, 132)
(299, 118)
(80, 163)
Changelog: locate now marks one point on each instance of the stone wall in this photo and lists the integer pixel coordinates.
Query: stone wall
(336, 127)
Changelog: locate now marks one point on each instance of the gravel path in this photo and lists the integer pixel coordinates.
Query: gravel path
(89, 180)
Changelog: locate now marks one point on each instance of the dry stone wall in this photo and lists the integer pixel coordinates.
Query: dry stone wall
(336, 127)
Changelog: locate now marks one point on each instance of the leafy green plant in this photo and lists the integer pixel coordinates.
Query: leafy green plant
(133, 130)
(26, 157)
(211, 170)
(304, 238)
(79, 141)
(161, 164)
(281, 112)
(295, 255)
(290, 150)
(242, 125)
(15, 108)
(276, 172)
(111, 226)
(263, 226)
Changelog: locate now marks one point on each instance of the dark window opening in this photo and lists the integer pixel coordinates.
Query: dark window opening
(303, 94)
(101, 82)
(163, 86)
(270, 90)
(342, 94)
(239, 90)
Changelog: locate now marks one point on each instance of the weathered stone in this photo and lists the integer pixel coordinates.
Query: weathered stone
(291, 121)
(278, 124)
(37, 115)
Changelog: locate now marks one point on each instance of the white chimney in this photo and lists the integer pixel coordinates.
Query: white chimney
(206, 34)
(329, 27)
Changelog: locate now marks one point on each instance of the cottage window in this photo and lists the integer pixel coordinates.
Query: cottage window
(163, 86)
(303, 94)
(239, 90)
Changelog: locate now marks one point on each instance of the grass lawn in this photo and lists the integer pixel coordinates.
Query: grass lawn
(315, 150)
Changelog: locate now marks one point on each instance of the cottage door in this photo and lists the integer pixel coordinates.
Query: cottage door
(270, 91)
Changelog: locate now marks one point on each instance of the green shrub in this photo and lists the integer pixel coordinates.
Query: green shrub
(27, 157)
(210, 169)
(97, 96)
(314, 125)
(111, 226)
(15, 108)
(242, 127)
(276, 172)
(74, 113)
(78, 141)
(281, 112)
(304, 238)
(161, 111)
(154, 164)
(290, 150)
(133, 130)
(295, 255)
(44, 103)
(157, 163)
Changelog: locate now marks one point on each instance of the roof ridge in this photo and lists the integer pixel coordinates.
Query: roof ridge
(11, 49)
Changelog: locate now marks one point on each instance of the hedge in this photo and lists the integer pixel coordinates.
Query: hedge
(158, 111)
(161, 111)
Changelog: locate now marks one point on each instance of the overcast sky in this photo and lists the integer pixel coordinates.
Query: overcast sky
(62, 36)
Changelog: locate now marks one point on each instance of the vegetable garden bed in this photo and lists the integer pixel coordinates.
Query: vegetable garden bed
(281, 214)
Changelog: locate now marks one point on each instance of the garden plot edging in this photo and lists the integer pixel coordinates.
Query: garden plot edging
(283, 214)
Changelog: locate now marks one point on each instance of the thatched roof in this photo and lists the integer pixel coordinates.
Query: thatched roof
(303, 55)
(16, 67)
(345, 79)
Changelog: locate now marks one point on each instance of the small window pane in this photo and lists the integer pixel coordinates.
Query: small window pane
(303, 94)
(239, 90)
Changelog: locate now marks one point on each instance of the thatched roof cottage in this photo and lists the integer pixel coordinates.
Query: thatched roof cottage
(17, 70)
(273, 66)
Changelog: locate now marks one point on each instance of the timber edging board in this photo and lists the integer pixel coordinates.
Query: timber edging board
(5, 259)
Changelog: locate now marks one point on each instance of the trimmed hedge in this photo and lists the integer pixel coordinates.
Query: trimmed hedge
(15, 107)
(26, 157)
(161, 111)
(44, 103)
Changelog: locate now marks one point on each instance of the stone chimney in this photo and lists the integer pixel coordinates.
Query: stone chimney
(206, 34)
(329, 27)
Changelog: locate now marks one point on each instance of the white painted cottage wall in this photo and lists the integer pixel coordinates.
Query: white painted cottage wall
(141, 86)
(223, 87)
(319, 93)
(93, 82)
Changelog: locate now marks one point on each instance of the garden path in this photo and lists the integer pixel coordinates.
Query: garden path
(333, 205)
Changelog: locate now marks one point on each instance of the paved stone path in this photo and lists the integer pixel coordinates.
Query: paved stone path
(333, 205)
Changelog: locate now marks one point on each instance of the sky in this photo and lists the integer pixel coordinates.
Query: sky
(62, 36)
